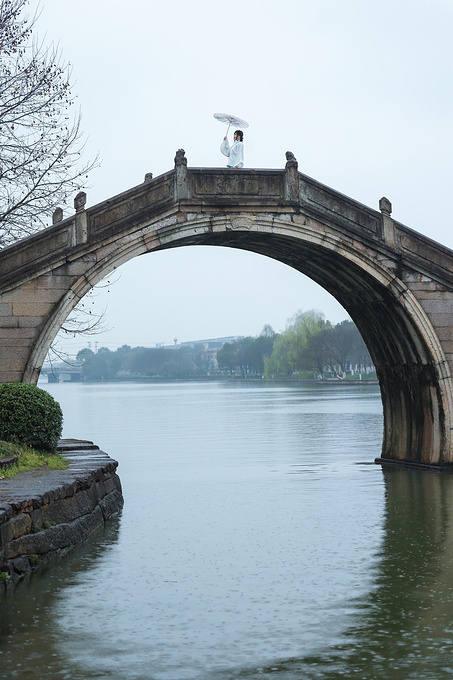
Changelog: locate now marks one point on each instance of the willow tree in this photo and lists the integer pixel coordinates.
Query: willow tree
(40, 140)
(290, 352)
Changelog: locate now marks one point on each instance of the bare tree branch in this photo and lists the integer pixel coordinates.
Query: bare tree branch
(40, 140)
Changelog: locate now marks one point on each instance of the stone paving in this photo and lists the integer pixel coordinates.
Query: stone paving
(84, 457)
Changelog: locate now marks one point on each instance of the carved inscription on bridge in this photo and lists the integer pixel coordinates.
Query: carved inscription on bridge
(237, 185)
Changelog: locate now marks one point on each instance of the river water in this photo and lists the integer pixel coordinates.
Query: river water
(258, 541)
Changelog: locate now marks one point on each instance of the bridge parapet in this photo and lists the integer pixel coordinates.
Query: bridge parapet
(216, 190)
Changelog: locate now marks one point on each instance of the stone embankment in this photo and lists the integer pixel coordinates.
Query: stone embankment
(43, 515)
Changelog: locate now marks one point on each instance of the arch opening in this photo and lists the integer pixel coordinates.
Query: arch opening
(399, 337)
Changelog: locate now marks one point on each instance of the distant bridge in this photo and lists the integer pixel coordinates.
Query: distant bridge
(63, 374)
(396, 284)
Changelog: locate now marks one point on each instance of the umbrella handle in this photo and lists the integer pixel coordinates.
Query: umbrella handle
(228, 129)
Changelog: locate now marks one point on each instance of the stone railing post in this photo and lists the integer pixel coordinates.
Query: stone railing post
(292, 179)
(81, 224)
(388, 226)
(181, 178)
(57, 215)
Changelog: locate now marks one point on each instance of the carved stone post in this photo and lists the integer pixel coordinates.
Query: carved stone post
(292, 179)
(181, 179)
(57, 215)
(81, 224)
(388, 227)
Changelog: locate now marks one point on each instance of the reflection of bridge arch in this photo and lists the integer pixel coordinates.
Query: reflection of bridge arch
(399, 626)
(396, 285)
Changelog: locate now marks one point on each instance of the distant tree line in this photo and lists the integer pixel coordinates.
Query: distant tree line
(247, 355)
(309, 347)
(144, 362)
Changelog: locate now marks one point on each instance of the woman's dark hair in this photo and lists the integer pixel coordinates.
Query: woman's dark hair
(240, 134)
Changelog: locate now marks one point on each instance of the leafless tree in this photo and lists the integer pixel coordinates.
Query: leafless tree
(40, 139)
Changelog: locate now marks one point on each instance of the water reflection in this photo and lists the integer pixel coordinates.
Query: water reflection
(403, 628)
(269, 550)
(29, 637)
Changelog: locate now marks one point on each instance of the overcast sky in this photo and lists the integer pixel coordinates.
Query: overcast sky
(359, 90)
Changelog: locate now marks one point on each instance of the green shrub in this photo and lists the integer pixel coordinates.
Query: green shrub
(29, 415)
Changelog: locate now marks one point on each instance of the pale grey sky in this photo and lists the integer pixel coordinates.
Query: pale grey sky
(359, 90)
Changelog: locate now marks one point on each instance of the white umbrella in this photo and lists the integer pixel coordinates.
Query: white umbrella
(226, 118)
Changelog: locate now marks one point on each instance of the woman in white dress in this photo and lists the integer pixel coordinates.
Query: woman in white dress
(235, 152)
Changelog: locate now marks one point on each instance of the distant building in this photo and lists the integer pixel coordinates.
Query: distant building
(209, 347)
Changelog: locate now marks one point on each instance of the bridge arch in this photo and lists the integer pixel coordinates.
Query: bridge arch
(407, 354)
(396, 285)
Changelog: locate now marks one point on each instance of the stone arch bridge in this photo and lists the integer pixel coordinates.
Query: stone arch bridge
(396, 284)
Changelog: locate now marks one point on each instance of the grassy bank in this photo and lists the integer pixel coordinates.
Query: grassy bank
(28, 459)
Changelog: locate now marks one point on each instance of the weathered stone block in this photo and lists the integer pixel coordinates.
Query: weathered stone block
(79, 267)
(15, 335)
(111, 504)
(6, 513)
(440, 320)
(36, 520)
(14, 361)
(17, 526)
(109, 484)
(21, 505)
(55, 538)
(447, 346)
(41, 296)
(11, 376)
(6, 308)
(65, 510)
(423, 294)
(30, 309)
(436, 306)
(100, 489)
(410, 276)
(21, 565)
(55, 281)
(422, 285)
(9, 322)
(17, 351)
(29, 321)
